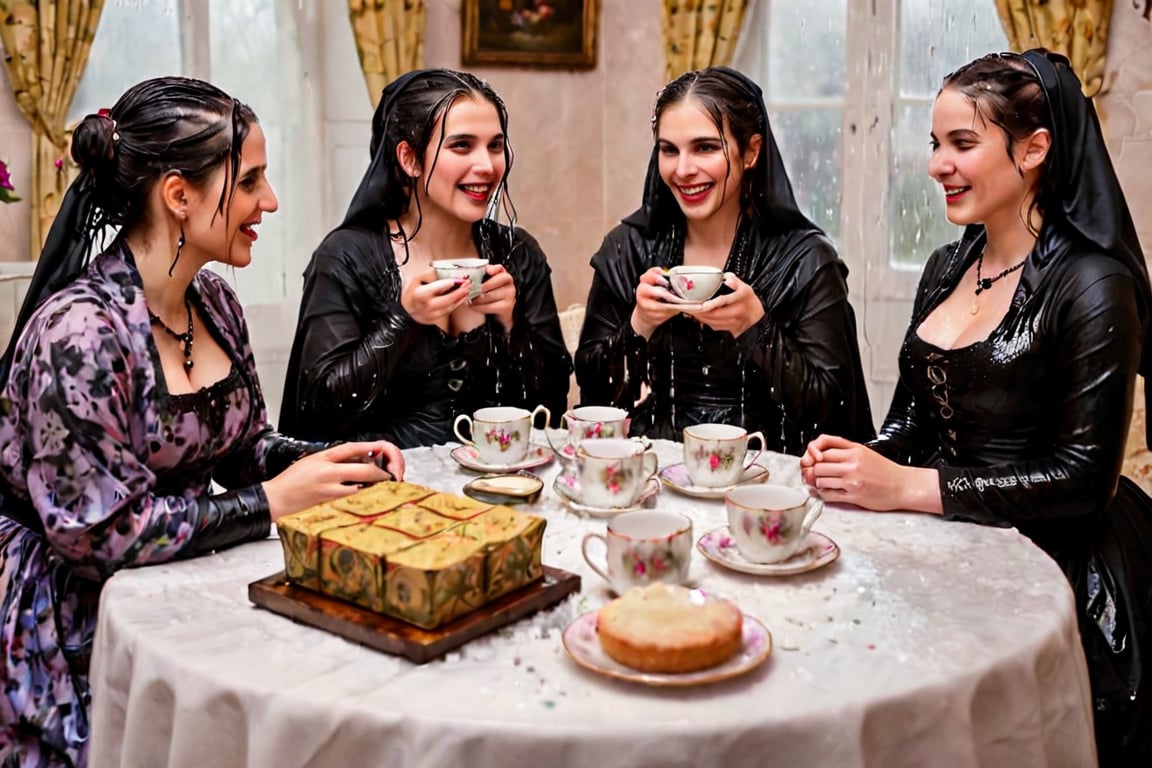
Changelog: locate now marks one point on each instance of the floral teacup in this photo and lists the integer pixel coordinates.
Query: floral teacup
(695, 283)
(500, 433)
(642, 547)
(591, 422)
(769, 523)
(716, 455)
(613, 472)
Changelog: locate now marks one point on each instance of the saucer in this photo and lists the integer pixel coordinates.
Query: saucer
(717, 546)
(538, 456)
(583, 645)
(676, 478)
(565, 487)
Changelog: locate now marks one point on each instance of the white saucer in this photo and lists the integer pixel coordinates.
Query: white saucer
(717, 545)
(567, 488)
(676, 478)
(583, 645)
(538, 456)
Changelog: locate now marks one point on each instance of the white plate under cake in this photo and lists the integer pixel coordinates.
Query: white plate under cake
(582, 642)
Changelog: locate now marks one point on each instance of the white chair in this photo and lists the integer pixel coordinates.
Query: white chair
(571, 321)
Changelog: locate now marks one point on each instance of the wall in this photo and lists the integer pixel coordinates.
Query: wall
(1126, 115)
(582, 138)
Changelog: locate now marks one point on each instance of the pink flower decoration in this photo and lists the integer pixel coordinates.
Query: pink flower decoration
(713, 461)
(6, 186)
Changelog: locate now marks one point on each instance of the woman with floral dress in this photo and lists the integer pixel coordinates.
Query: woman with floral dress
(129, 387)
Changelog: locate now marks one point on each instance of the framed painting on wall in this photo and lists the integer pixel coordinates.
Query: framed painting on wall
(530, 33)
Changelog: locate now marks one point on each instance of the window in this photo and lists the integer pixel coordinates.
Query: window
(834, 74)
(251, 49)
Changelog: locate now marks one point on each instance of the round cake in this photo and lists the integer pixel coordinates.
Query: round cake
(670, 629)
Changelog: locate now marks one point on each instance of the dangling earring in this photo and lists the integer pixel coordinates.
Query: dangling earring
(179, 247)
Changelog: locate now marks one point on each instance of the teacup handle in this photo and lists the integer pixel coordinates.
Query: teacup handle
(562, 451)
(547, 416)
(755, 436)
(456, 428)
(651, 464)
(816, 506)
(584, 551)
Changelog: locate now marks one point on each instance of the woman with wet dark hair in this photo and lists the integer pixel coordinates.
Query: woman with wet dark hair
(775, 350)
(1017, 371)
(128, 388)
(385, 349)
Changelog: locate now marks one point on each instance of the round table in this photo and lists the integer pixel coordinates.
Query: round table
(926, 643)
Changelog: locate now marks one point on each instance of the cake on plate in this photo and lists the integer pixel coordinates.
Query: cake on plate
(670, 629)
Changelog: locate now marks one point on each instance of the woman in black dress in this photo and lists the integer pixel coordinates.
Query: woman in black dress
(776, 349)
(385, 349)
(1017, 371)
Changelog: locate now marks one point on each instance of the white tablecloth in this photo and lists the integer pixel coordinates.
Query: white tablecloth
(927, 643)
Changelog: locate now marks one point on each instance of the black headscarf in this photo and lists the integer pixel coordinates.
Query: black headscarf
(63, 258)
(771, 204)
(1091, 202)
(378, 186)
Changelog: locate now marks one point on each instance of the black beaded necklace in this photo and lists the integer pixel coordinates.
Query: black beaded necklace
(185, 338)
(984, 283)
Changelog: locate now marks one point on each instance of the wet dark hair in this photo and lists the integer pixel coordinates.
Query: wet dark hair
(412, 116)
(1006, 92)
(729, 102)
(159, 126)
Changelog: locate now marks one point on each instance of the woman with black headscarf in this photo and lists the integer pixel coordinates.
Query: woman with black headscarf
(385, 349)
(1017, 371)
(776, 349)
(129, 389)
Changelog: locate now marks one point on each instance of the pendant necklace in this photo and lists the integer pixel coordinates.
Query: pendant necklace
(185, 338)
(983, 283)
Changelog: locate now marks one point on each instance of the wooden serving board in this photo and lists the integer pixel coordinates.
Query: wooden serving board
(400, 638)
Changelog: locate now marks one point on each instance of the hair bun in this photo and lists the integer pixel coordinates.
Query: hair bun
(94, 143)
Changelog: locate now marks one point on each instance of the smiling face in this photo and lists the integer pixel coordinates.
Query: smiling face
(463, 164)
(228, 237)
(986, 180)
(703, 167)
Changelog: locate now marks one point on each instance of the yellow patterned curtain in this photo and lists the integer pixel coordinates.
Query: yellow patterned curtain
(47, 44)
(389, 38)
(700, 33)
(1076, 28)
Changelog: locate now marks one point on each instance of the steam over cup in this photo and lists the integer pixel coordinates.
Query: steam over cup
(473, 269)
(769, 523)
(695, 284)
(642, 547)
(500, 434)
(716, 455)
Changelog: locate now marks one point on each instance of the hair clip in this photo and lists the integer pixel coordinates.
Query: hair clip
(106, 113)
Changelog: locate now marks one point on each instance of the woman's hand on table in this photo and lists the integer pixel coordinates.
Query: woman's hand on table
(654, 303)
(733, 312)
(846, 472)
(332, 474)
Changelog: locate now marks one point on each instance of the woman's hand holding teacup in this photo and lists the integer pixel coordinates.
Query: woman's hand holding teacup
(331, 474)
(733, 312)
(843, 471)
(497, 296)
(428, 299)
(655, 303)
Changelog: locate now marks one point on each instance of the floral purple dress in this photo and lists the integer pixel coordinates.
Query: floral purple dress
(103, 469)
